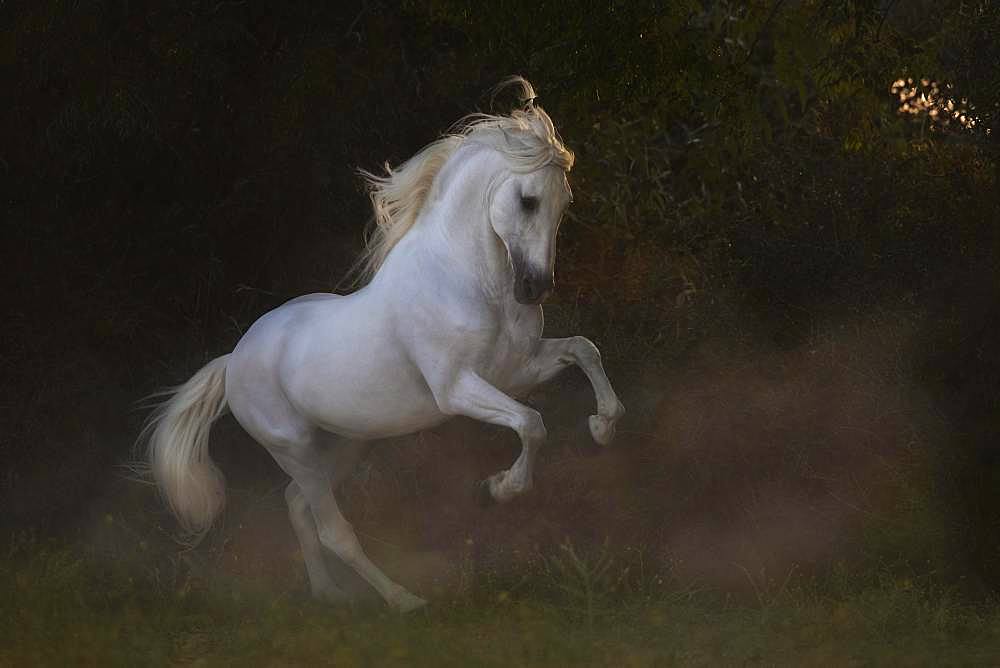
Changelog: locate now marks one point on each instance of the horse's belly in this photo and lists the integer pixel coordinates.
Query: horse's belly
(360, 386)
(381, 406)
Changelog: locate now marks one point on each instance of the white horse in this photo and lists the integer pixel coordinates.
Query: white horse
(449, 324)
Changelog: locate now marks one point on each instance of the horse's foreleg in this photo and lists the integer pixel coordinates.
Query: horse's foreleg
(472, 396)
(554, 355)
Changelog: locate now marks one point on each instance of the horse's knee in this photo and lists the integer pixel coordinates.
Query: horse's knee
(532, 429)
(585, 351)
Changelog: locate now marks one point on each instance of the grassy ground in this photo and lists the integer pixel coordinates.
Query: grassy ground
(67, 607)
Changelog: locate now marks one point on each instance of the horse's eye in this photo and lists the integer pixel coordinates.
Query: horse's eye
(529, 204)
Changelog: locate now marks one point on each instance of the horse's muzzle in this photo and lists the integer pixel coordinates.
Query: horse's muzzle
(532, 288)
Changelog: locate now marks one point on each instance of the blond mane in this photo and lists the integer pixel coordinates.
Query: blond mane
(526, 137)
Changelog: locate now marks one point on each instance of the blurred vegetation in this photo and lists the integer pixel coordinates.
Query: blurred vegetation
(70, 607)
(745, 182)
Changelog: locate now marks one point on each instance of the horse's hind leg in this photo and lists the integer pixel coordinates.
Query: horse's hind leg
(327, 580)
(320, 582)
(306, 466)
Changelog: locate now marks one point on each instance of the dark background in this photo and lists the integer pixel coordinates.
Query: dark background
(794, 283)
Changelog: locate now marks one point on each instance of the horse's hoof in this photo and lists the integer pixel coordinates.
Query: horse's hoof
(407, 602)
(602, 429)
(484, 498)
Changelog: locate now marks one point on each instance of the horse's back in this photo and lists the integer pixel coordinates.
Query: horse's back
(272, 331)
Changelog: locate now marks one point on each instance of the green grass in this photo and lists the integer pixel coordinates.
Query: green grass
(66, 607)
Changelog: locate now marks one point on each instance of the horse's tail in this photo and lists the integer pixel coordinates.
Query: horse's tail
(177, 451)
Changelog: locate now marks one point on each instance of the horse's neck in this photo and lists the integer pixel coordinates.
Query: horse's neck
(457, 229)
(475, 253)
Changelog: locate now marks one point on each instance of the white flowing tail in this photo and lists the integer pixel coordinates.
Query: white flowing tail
(178, 455)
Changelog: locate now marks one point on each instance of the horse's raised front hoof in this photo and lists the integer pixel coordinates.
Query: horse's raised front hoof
(602, 429)
(404, 602)
(484, 498)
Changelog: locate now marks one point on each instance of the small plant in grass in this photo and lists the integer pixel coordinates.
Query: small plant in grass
(768, 591)
(586, 580)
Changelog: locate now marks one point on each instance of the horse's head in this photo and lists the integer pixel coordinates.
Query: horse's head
(523, 177)
(527, 204)
(525, 212)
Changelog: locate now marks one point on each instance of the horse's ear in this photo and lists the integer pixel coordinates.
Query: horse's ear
(527, 92)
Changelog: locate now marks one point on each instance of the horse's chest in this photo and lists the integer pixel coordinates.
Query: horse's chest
(513, 344)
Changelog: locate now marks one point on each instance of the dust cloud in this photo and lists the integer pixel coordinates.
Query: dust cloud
(733, 471)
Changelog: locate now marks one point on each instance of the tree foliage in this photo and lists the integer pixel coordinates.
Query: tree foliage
(171, 170)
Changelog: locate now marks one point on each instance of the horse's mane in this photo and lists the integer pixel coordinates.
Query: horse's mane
(526, 137)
